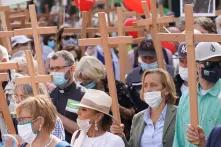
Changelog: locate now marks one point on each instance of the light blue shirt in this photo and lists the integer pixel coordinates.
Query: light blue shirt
(152, 135)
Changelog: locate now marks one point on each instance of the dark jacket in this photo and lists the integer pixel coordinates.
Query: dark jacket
(214, 138)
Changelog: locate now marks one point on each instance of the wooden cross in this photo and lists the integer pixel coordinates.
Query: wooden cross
(36, 31)
(6, 41)
(34, 78)
(120, 29)
(105, 41)
(189, 37)
(3, 105)
(152, 23)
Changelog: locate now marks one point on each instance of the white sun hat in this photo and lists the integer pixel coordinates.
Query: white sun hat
(96, 100)
(207, 50)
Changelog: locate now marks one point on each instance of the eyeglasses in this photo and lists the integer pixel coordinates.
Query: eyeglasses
(68, 37)
(24, 120)
(57, 68)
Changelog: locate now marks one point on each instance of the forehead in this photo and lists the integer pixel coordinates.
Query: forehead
(23, 113)
(153, 78)
(57, 62)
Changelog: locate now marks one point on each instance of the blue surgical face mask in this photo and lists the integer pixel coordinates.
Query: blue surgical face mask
(51, 44)
(146, 66)
(89, 85)
(59, 79)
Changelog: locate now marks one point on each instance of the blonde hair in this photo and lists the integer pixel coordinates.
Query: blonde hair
(166, 81)
(89, 68)
(40, 105)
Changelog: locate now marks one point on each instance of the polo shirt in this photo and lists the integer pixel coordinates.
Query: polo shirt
(209, 112)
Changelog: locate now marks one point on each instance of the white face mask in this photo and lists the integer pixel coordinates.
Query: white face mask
(84, 125)
(153, 99)
(183, 72)
(26, 133)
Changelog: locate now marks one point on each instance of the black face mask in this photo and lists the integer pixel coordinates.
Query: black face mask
(211, 72)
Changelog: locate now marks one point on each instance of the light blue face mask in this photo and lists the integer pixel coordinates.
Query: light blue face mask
(146, 66)
(59, 79)
(90, 85)
(51, 44)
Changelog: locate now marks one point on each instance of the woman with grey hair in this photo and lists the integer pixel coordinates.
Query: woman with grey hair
(91, 74)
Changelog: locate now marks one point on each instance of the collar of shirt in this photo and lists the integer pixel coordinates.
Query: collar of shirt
(214, 91)
(147, 118)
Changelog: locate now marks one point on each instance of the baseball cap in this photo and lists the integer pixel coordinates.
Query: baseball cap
(20, 39)
(146, 48)
(182, 50)
(207, 50)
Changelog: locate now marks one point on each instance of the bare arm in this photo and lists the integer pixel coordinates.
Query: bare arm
(69, 125)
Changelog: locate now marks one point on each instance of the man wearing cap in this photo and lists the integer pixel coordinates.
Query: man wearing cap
(67, 92)
(181, 78)
(147, 55)
(208, 58)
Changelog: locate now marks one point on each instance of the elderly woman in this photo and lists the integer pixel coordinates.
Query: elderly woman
(154, 126)
(36, 118)
(94, 121)
(91, 73)
(23, 91)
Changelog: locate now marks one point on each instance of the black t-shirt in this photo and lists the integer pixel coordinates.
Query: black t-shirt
(60, 99)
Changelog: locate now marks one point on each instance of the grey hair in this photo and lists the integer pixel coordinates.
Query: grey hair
(89, 68)
(67, 56)
(27, 88)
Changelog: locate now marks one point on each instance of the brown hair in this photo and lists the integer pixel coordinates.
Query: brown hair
(40, 105)
(167, 83)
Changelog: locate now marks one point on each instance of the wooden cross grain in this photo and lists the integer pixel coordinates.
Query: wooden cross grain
(6, 41)
(36, 31)
(105, 41)
(152, 23)
(3, 105)
(34, 78)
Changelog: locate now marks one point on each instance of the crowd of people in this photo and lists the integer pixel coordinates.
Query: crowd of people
(75, 108)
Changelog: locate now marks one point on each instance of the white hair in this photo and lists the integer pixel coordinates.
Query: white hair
(89, 68)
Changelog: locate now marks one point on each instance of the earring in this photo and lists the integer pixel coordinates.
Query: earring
(95, 126)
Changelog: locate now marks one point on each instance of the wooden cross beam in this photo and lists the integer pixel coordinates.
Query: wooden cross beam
(34, 78)
(3, 105)
(36, 31)
(5, 36)
(105, 41)
(152, 22)
(6, 41)
(122, 48)
(86, 16)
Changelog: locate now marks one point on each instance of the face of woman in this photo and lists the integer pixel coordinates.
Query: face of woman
(86, 113)
(19, 96)
(25, 117)
(152, 82)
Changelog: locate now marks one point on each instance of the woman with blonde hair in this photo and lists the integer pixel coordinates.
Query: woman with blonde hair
(154, 126)
(36, 118)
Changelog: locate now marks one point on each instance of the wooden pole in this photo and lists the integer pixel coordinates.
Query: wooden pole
(191, 64)
(34, 78)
